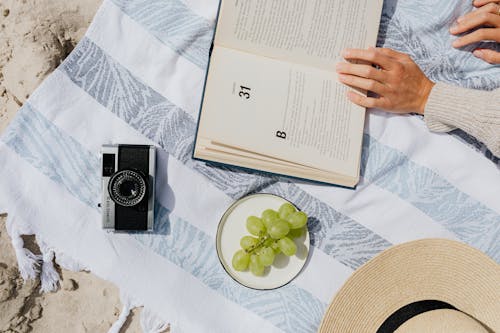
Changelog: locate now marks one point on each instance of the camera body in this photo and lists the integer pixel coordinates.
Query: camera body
(128, 187)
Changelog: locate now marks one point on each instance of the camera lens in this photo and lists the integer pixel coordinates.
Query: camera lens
(127, 188)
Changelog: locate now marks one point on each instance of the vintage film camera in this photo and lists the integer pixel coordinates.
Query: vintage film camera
(128, 187)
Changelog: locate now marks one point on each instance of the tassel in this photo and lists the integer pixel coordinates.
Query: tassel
(28, 263)
(49, 277)
(150, 323)
(118, 324)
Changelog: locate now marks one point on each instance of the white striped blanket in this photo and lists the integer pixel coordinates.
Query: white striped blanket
(137, 77)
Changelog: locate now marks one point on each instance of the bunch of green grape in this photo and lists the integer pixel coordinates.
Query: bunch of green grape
(272, 233)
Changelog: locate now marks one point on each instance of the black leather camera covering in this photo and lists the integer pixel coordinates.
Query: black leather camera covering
(133, 158)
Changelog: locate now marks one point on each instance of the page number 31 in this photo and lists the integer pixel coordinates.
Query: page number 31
(244, 92)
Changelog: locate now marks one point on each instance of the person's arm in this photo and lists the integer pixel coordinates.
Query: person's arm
(479, 111)
(476, 112)
(401, 87)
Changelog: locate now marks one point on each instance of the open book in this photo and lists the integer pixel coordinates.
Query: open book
(272, 101)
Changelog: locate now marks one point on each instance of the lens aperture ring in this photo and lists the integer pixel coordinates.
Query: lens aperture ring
(127, 188)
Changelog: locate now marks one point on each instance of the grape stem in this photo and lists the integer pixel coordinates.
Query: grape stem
(255, 247)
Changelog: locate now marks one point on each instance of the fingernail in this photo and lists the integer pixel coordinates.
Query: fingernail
(345, 53)
(338, 67)
(478, 53)
(460, 19)
(454, 28)
(456, 43)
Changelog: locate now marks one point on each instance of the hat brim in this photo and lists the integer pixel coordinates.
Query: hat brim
(429, 269)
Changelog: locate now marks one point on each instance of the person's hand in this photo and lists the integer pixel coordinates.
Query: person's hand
(487, 18)
(400, 85)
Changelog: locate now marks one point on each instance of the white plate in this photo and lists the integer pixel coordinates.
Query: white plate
(232, 228)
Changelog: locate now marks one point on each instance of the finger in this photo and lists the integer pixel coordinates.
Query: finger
(477, 36)
(373, 56)
(365, 71)
(480, 3)
(488, 55)
(481, 19)
(366, 102)
(362, 83)
(491, 7)
(476, 19)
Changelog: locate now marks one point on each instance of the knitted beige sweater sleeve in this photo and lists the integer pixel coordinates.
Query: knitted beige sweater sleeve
(473, 111)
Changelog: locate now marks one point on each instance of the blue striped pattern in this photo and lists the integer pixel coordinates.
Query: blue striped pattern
(288, 308)
(65, 161)
(174, 24)
(59, 157)
(469, 219)
(173, 129)
(333, 233)
(346, 240)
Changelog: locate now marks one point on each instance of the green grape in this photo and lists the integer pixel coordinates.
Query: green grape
(278, 229)
(256, 268)
(286, 209)
(297, 220)
(268, 216)
(287, 246)
(274, 232)
(254, 259)
(270, 224)
(248, 242)
(241, 260)
(255, 226)
(275, 248)
(296, 233)
(268, 242)
(266, 256)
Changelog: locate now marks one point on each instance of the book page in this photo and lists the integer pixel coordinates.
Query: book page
(282, 110)
(256, 162)
(309, 32)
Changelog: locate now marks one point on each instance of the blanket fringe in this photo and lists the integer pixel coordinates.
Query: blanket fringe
(151, 323)
(49, 277)
(118, 324)
(30, 265)
(27, 261)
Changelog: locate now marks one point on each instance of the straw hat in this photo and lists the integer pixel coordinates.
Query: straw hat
(430, 285)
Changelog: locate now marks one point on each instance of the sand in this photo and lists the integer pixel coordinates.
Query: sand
(83, 303)
(35, 36)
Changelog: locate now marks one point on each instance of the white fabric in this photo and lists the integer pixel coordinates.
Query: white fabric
(137, 77)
